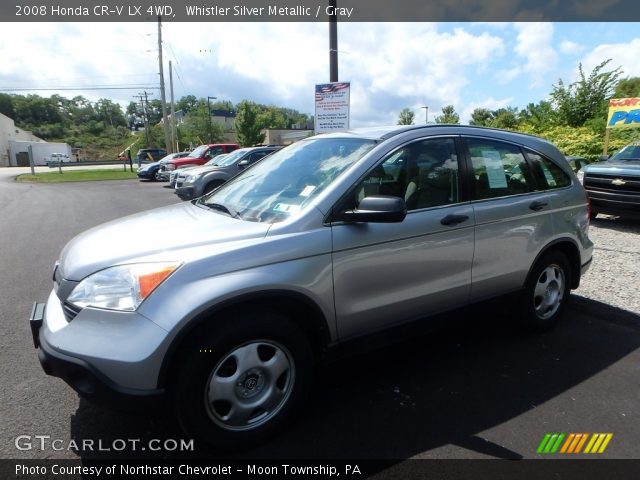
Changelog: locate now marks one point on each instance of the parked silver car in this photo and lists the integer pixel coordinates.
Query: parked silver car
(225, 304)
(200, 180)
(178, 177)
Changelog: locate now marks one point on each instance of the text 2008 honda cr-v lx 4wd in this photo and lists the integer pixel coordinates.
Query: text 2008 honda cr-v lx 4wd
(224, 304)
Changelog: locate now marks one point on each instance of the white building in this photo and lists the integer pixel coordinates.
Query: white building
(15, 142)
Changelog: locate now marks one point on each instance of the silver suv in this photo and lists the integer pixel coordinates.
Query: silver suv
(224, 304)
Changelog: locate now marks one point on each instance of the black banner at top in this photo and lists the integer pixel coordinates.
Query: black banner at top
(320, 11)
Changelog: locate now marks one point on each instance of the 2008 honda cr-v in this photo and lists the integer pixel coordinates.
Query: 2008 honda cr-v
(224, 304)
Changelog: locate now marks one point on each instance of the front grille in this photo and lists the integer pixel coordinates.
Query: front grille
(70, 311)
(625, 184)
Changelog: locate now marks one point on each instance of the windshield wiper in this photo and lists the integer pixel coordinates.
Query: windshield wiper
(222, 208)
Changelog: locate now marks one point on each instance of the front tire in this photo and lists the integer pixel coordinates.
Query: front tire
(546, 292)
(242, 380)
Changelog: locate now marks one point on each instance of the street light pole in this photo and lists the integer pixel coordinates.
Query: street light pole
(333, 42)
(209, 110)
(426, 114)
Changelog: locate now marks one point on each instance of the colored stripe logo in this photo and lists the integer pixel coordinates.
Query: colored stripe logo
(574, 443)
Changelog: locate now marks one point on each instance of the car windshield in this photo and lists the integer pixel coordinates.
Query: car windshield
(215, 160)
(279, 186)
(630, 152)
(198, 152)
(232, 157)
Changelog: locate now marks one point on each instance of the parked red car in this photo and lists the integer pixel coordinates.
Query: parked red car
(199, 156)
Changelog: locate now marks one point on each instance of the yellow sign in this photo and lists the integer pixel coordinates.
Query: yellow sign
(624, 113)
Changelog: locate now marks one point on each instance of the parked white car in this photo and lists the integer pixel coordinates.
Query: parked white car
(57, 158)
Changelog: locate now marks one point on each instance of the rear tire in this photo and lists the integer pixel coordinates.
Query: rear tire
(242, 380)
(546, 292)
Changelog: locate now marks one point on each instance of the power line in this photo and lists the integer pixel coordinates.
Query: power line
(131, 87)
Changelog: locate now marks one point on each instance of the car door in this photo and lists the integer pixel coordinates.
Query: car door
(511, 216)
(387, 273)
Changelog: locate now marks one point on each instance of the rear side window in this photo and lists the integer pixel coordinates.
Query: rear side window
(499, 169)
(548, 174)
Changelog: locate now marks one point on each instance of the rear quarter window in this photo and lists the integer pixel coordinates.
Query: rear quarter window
(548, 174)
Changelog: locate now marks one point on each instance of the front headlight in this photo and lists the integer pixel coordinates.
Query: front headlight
(123, 287)
(580, 175)
(191, 178)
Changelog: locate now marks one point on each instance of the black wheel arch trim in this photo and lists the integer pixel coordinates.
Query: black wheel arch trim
(573, 257)
(319, 324)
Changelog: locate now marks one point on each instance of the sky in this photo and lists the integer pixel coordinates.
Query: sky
(390, 65)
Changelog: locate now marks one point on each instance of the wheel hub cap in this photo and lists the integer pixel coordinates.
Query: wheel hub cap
(251, 384)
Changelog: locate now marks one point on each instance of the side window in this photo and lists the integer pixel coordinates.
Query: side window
(548, 174)
(499, 169)
(213, 152)
(424, 173)
(256, 156)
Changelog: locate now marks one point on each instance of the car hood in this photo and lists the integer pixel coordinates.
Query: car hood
(149, 165)
(165, 231)
(624, 167)
(200, 170)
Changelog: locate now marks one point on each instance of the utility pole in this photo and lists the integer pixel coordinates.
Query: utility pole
(426, 114)
(145, 111)
(174, 142)
(163, 98)
(145, 117)
(209, 111)
(333, 42)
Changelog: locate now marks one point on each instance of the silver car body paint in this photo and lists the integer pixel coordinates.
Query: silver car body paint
(427, 267)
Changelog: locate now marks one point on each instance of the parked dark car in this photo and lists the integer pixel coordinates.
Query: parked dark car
(150, 155)
(613, 185)
(195, 182)
(150, 170)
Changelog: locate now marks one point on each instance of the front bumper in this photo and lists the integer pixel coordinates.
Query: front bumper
(185, 193)
(614, 203)
(163, 175)
(87, 380)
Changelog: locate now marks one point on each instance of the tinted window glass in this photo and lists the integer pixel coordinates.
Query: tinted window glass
(499, 169)
(548, 174)
(423, 173)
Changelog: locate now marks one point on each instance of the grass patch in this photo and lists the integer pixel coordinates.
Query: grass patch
(77, 176)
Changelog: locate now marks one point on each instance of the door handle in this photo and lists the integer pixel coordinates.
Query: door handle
(454, 219)
(537, 206)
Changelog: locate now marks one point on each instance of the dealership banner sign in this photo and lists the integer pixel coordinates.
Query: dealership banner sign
(624, 113)
(332, 107)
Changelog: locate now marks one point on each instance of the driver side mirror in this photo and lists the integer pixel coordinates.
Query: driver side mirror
(377, 209)
(243, 164)
(603, 158)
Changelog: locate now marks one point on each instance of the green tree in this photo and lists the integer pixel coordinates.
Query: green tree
(627, 88)
(449, 115)
(195, 128)
(109, 112)
(247, 124)
(539, 115)
(481, 117)
(6, 105)
(406, 117)
(586, 98)
(506, 118)
(272, 117)
(187, 103)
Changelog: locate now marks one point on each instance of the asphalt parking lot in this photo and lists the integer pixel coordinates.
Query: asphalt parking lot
(477, 389)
